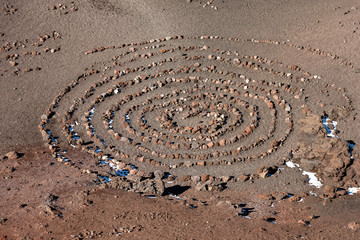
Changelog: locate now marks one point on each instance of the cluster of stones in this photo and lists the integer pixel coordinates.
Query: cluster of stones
(64, 7)
(197, 101)
(210, 4)
(9, 9)
(194, 130)
(166, 118)
(222, 99)
(206, 4)
(13, 56)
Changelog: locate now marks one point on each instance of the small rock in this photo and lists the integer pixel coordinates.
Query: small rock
(226, 178)
(51, 198)
(133, 172)
(159, 174)
(244, 177)
(134, 178)
(294, 199)
(287, 108)
(216, 188)
(266, 196)
(194, 145)
(149, 186)
(201, 187)
(279, 195)
(303, 222)
(269, 219)
(201, 163)
(341, 192)
(160, 187)
(195, 179)
(329, 191)
(354, 226)
(209, 186)
(183, 178)
(53, 211)
(3, 220)
(204, 177)
(263, 174)
(220, 203)
(222, 142)
(12, 155)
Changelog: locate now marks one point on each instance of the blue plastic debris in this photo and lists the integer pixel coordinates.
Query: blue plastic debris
(122, 173)
(105, 178)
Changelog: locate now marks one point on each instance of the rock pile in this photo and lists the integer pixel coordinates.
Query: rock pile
(9, 9)
(64, 8)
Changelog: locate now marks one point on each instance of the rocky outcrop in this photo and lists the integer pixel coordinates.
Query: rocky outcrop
(149, 186)
(328, 157)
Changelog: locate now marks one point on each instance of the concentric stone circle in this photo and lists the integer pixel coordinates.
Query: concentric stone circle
(186, 105)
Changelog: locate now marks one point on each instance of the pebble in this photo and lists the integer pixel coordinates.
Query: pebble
(194, 145)
(354, 226)
(3, 220)
(303, 222)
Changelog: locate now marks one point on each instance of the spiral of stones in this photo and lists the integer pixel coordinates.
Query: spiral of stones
(171, 104)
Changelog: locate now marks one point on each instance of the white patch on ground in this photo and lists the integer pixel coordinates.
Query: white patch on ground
(290, 164)
(327, 123)
(314, 194)
(353, 190)
(175, 196)
(313, 180)
(150, 196)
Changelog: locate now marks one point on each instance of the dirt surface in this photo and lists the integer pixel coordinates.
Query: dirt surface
(46, 199)
(179, 119)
